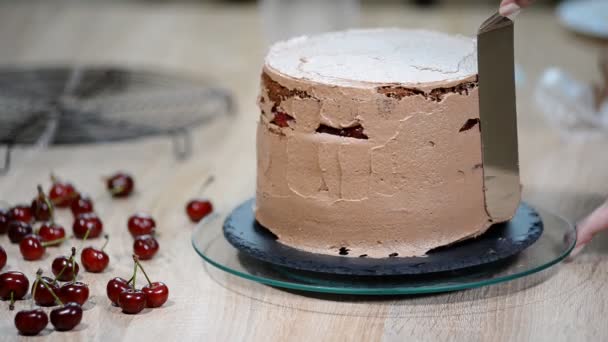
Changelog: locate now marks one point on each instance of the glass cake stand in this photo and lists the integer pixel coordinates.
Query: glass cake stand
(555, 244)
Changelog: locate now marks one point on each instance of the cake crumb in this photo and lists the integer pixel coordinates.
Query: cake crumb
(344, 251)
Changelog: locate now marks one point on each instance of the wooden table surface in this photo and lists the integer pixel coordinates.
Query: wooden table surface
(225, 42)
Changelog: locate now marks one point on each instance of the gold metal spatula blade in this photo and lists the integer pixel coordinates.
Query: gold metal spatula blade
(498, 117)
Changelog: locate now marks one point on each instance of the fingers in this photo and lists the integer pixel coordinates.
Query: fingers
(524, 3)
(510, 8)
(596, 222)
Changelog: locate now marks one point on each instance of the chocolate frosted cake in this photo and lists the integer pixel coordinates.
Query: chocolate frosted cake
(369, 143)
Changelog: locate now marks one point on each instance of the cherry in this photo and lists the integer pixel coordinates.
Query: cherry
(87, 225)
(13, 286)
(81, 205)
(145, 246)
(77, 292)
(132, 301)
(22, 213)
(62, 194)
(156, 293)
(17, 230)
(31, 322)
(141, 224)
(66, 317)
(115, 287)
(4, 220)
(2, 257)
(120, 184)
(95, 260)
(64, 268)
(51, 232)
(31, 247)
(197, 209)
(42, 294)
(41, 206)
(281, 119)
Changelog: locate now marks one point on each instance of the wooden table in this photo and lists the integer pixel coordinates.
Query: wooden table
(225, 42)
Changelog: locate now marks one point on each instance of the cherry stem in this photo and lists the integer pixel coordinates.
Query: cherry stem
(44, 197)
(57, 300)
(54, 242)
(36, 282)
(60, 273)
(142, 269)
(206, 184)
(86, 235)
(134, 276)
(73, 263)
(107, 237)
(54, 178)
(11, 306)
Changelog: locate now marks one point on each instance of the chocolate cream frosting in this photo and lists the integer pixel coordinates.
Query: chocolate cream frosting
(368, 144)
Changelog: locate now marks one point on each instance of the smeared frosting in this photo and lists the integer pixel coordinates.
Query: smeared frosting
(365, 57)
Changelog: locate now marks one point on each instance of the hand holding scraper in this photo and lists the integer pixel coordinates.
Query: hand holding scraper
(597, 221)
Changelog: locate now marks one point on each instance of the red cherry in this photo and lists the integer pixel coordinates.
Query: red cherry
(141, 224)
(281, 119)
(31, 322)
(65, 268)
(2, 257)
(66, 317)
(42, 296)
(41, 206)
(62, 194)
(132, 301)
(51, 232)
(115, 287)
(77, 292)
(17, 230)
(81, 205)
(22, 213)
(87, 222)
(198, 209)
(145, 247)
(13, 284)
(156, 294)
(95, 260)
(4, 221)
(31, 247)
(120, 184)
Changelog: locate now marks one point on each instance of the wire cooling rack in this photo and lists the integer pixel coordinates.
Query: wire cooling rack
(74, 105)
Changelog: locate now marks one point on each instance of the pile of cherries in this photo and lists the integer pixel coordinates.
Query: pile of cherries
(124, 293)
(45, 292)
(33, 227)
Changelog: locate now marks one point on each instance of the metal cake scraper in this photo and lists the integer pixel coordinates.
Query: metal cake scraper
(498, 117)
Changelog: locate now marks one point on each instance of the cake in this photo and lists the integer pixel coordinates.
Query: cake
(369, 144)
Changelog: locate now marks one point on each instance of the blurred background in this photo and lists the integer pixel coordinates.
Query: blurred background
(173, 84)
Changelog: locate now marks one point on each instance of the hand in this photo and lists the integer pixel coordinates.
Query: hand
(596, 222)
(511, 7)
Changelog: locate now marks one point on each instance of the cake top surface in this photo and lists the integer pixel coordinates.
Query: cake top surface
(376, 56)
